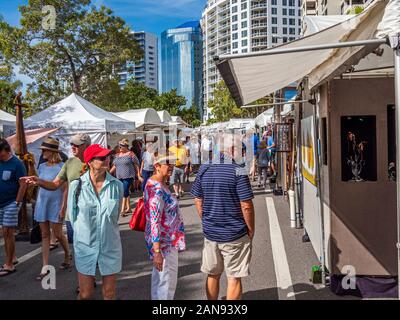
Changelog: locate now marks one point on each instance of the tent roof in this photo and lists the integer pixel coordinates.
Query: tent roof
(141, 117)
(314, 24)
(76, 113)
(31, 136)
(254, 75)
(164, 115)
(177, 120)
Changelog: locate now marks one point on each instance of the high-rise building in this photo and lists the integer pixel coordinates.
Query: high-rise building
(182, 62)
(333, 7)
(240, 26)
(146, 71)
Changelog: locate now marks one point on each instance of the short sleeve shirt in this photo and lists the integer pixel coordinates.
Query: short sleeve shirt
(10, 172)
(71, 170)
(222, 187)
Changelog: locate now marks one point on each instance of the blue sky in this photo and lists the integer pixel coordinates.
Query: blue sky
(141, 15)
(148, 15)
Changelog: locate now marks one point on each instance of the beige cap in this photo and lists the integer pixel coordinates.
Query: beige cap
(81, 138)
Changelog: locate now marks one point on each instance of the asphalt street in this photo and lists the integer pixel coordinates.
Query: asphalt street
(280, 268)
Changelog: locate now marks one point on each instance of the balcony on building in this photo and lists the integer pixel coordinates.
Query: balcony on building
(259, 15)
(224, 8)
(224, 18)
(259, 34)
(223, 27)
(259, 44)
(310, 7)
(259, 24)
(258, 5)
(353, 6)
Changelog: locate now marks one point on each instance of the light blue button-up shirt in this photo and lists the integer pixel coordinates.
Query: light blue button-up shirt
(95, 223)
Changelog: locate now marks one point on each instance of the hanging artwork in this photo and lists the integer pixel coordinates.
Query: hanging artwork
(308, 155)
(358, 136)
(283, 137)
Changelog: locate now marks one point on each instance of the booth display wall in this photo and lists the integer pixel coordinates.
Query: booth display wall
(363, 214)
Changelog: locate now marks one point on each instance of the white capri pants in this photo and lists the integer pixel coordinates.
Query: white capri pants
(163, 284)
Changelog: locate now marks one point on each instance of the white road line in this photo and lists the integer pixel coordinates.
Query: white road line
(29, 255)
(282, 271)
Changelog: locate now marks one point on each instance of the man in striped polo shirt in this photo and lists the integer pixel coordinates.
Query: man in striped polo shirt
(223, 198)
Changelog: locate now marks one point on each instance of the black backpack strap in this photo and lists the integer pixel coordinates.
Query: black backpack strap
(78, 191)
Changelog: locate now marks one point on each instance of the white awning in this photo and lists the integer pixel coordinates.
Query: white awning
(144, 119)
(255, 75)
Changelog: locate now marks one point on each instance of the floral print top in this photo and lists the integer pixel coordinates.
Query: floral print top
(164, 221)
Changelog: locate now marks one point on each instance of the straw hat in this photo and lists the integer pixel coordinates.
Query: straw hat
(50, 144)
(164, 158)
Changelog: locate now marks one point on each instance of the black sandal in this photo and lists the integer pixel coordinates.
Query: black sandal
(6, 272)
(42, 275)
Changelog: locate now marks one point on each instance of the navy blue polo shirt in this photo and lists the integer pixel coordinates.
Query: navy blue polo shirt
(10, 172)
(222, 187)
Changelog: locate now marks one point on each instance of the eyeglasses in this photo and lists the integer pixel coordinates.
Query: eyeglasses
(101, 158)
(74, 145)
(123, 145)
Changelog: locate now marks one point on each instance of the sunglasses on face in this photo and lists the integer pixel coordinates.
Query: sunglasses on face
(101, 158)
(123, 146)
(75, 145)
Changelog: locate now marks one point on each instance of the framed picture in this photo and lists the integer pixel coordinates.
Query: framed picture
(283, 137)
(358, 138)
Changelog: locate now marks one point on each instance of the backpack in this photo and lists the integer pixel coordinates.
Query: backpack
(263, 158)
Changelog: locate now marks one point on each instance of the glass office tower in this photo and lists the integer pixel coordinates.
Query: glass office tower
(182, 62)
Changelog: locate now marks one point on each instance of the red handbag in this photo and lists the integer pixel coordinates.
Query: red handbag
(138, 219)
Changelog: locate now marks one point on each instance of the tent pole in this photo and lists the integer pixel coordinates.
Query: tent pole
(319, 189)
(396, 47)
(327, 46)
(274, 104)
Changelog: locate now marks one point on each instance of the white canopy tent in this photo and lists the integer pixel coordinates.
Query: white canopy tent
(6, 120)
(145, 119)
(178, 121)
(239, 123)
(164, 116)
(74, 115)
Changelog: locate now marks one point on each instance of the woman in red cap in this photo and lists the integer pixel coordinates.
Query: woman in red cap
(94, 202)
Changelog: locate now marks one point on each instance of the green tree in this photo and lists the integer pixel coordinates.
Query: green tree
(84, 50)
(136, 95)
(8, 86)
(171, 102)
(191, 115)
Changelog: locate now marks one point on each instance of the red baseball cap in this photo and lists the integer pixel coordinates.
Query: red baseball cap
(95, 150)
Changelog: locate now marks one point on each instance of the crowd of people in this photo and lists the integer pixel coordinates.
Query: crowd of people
(90, 191)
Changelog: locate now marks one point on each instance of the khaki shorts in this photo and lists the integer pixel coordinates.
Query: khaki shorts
(234, 256)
